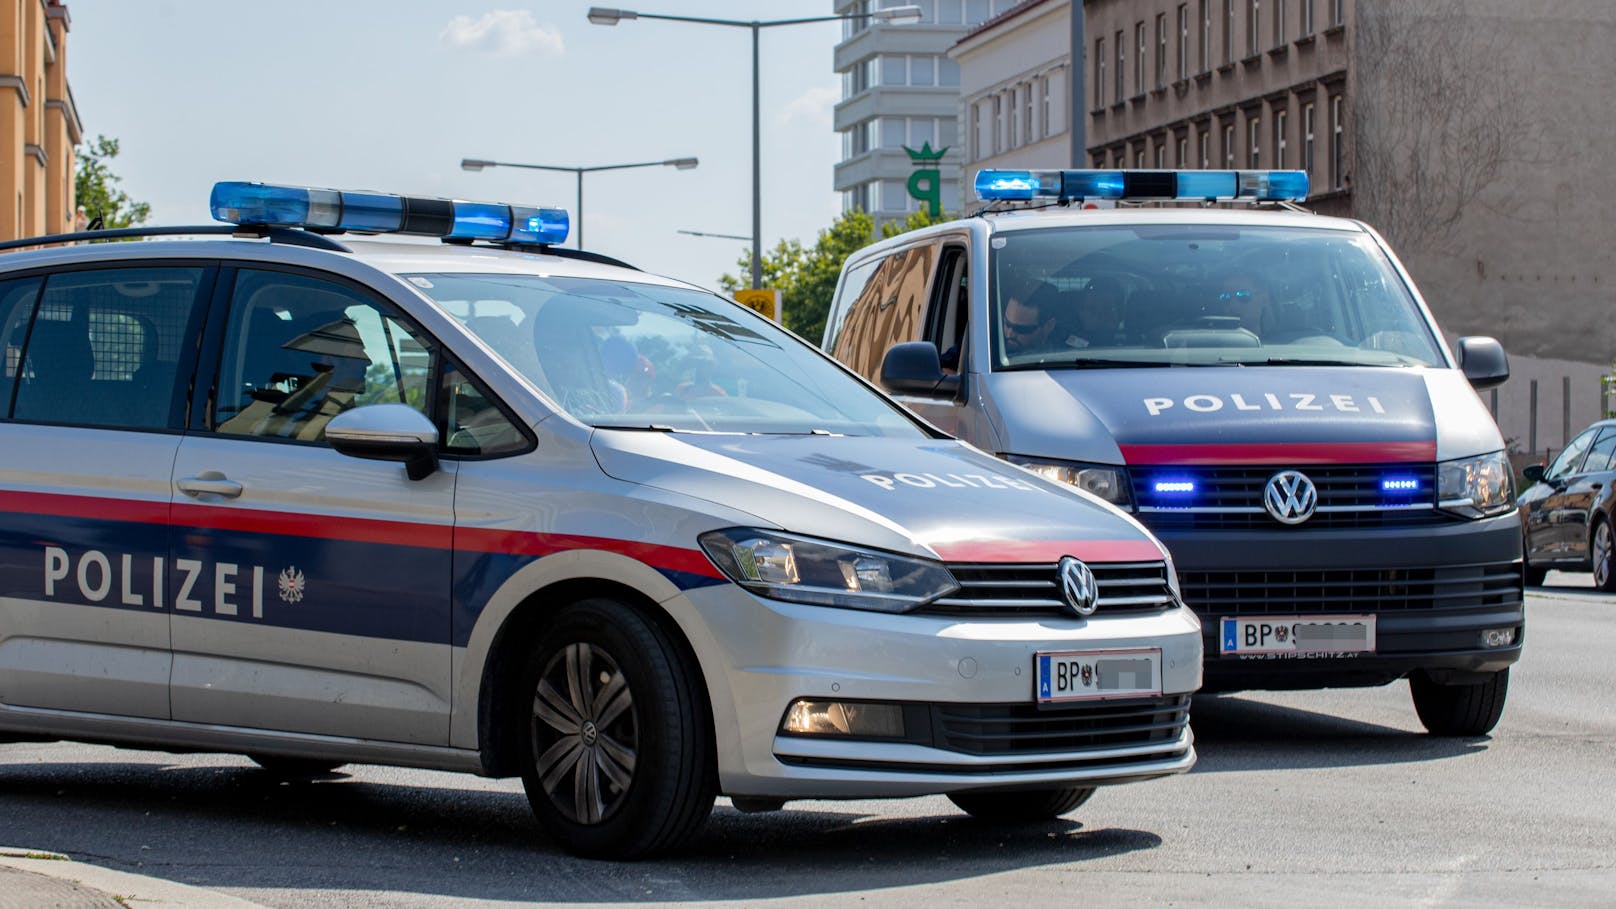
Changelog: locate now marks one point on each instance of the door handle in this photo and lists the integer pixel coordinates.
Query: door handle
(210, 481)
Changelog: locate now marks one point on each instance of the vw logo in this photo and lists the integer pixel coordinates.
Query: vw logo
(1290, 497)
(1078, 587)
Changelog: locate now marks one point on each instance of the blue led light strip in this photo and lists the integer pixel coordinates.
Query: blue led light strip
(330, 209)
(1068, 185)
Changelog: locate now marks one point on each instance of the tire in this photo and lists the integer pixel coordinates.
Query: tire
(1459, 710)
(1535, 575)
(1028, 807)
(294, 767)
(617, 748)
(1600, 548)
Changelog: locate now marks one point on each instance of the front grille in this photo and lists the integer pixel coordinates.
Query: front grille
(1232, 497)
(1213, 594)
(1034, 590)
(996, 730)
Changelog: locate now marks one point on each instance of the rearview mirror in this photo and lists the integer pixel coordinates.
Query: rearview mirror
(387, 432)
(1533, 472)
(1483, 362)
(914, 367)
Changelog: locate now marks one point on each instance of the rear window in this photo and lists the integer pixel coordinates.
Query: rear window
(1201, 294)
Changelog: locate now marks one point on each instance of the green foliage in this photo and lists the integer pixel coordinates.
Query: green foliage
(95, 187)
(806, 277)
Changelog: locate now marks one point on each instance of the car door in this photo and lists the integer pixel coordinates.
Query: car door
(95, 384)
(1546, 537)
(311, 589)
(1582, 490)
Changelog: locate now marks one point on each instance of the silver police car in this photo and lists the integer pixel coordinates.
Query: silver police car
(495, 506)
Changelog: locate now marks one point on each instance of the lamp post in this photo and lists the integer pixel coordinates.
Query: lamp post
(899, 15)
(476, 164)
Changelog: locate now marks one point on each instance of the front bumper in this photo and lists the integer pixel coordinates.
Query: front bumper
(1433, 590)
(758, 656)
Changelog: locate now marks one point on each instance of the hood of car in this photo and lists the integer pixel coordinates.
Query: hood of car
(1246, 415)
(934, 498)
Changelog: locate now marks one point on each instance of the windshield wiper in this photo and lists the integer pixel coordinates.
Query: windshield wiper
(1086, 363)
(1314, 361)
(643, 427)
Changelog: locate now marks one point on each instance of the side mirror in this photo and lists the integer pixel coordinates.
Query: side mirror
(1483, 362)
(387, 432)
(914, 367)
(1533, 472)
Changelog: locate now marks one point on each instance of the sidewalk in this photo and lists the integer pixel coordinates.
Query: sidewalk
(31, 878)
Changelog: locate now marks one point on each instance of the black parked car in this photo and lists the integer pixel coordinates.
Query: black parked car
(1571, 509)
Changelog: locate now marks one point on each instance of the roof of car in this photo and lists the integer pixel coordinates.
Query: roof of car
(1162, 214)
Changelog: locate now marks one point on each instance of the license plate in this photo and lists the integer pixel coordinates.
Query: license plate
(1322, 634)
(1092, 675)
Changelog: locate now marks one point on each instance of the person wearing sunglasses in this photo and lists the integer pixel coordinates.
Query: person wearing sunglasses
(1028, 319)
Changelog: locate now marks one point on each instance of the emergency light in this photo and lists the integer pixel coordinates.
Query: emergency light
(1202, 185)
(330, 209)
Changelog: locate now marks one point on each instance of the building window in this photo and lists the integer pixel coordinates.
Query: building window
(998, 124)
(1254, 142)
(1120, 90)
(1099, 72)
(1228, 146)
(1139, 60)
(1118, 157)
(1280, 121)
(974, 131)
(1014, 123)
(1337, 13)
(1279, 23)
(1228, 31)
(1307, 17)
(1205, 142)
(1206, 35)
(1044, 126)
(1336, 142)
(1026, 120)
(1161, 155)
(923, 70)
(1183, 41)
(1099, 159)
(1307, 138)
(1183, 152)
(1161, 51)
(1253, 27)
(1139, 158)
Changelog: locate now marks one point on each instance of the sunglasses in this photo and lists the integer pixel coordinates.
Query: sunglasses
(1019, 328)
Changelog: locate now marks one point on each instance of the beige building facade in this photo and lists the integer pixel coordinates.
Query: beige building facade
(39, 124)
(1473, 134)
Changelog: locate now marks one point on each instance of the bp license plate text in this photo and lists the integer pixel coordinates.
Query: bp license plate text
(1092, 675)
(1324, 634)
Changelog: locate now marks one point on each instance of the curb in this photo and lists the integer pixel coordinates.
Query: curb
(51, 878)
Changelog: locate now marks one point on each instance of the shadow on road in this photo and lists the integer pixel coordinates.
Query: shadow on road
(1235, 733)
(230, 827)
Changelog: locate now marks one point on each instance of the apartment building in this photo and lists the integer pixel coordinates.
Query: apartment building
(39, 125)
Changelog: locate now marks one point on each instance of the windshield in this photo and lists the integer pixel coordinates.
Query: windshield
(1201, 295)
(642, 356)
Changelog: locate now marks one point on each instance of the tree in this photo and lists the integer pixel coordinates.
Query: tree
(95, 187)
(806, 278)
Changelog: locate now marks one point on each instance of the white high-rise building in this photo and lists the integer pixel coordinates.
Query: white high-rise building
(901, 91)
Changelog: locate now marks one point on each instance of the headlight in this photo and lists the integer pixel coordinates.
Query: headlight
(1108, 482)
(802, 570)
(1478, 487)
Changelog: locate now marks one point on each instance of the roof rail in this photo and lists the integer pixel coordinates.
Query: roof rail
(288, 235)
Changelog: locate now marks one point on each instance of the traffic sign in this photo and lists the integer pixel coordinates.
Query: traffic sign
(764, 300)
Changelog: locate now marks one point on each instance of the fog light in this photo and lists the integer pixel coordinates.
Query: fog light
(1498, 637)
(843, 718)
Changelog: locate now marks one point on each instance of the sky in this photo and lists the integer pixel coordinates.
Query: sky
(390, 96)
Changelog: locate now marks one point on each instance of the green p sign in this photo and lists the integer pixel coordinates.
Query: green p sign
(926, 183)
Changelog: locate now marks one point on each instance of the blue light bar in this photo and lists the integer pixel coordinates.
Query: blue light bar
(1400, 484)
(1205, 185)
(329, 209)
(1175, 487)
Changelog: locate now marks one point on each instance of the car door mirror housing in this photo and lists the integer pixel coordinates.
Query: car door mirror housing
(1533, 473)
(914, 367)
(387, 432)
(1483, 361)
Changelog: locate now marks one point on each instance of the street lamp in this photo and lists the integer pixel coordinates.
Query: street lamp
(703, 233)
(897, 15)
(476, 164)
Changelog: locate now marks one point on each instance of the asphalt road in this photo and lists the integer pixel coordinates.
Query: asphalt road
(1310, 798)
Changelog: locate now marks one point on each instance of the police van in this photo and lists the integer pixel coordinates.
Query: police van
(482, 503)
(1260, 386)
